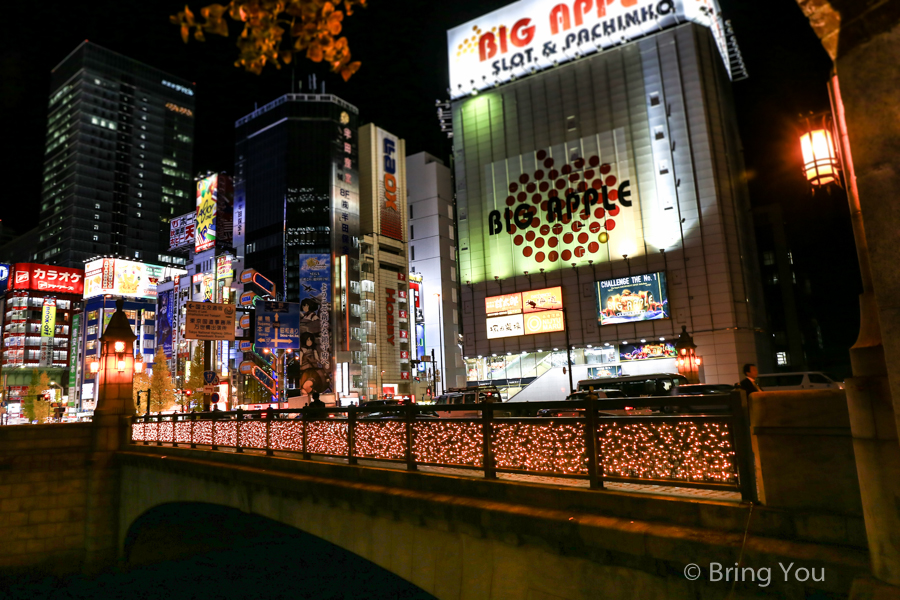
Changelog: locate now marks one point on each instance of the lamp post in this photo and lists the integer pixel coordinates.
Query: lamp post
(116, 366)
(688, 361)
(443, 371)
(59, 402)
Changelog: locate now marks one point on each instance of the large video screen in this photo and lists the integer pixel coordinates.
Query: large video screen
(119, 277)
(633, 298)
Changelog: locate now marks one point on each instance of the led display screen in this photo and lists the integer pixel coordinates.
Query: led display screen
(634, 298)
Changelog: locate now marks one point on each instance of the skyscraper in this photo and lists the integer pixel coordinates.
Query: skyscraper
(296, 221)
(117, 160)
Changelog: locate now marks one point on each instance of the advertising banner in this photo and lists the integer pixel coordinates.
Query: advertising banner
(48, 318)
(205, 232)
(540, 300)
(634, 298)
(507, 304)
(209, 321)
(315, 322)
(600, 372)
(532, 35)
(118, 277)
(388, 180)
(544, 322)
(632, 352)
(224, 211)
(278, 326)
(165, 309)
(505, 326)
(46, 278)
(73, 354)
(181, 231)
(525, 313)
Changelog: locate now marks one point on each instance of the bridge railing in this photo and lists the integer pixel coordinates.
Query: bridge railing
(682, 441)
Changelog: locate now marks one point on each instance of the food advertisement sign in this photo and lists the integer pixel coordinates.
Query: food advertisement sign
(507, 304)
(505, 326)
(118, 277)
(541, 300)
(205, 232)
(633, 298)
(532, 35)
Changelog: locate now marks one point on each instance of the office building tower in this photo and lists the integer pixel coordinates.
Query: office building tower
(118, 159)
(296, 212)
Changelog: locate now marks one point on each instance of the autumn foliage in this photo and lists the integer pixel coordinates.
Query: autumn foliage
(312, 26)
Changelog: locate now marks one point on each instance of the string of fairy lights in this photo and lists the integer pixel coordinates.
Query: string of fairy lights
(688, 450)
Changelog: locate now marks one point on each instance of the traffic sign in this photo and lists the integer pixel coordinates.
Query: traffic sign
(246, 367)
(209, 389)
(278, 326)
(210, 378)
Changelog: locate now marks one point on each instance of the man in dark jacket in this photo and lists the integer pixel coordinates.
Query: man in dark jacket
(316, 403)
(748, 383)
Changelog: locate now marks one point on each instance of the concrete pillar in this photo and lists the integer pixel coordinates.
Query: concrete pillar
(115, 405)
(863, 40)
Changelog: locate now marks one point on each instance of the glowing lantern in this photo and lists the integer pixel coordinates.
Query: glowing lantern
(688, 361)
(820, 161)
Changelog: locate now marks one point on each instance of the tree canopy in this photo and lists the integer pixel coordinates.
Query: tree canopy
(313, 27)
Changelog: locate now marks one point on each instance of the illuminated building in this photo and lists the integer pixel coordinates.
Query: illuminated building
(297, 218)
(107, 279)
(432, 255)
(598, 151)
(118, 157)
(384, 333)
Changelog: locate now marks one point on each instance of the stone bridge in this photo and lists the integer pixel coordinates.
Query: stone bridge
(77, 492)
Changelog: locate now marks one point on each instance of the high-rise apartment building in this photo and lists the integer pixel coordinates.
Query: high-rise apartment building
(117, 160)
(296, 221)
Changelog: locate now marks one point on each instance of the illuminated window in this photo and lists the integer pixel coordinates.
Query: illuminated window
(96, 238)
(768, 258)
(97, 205)
(782, 359)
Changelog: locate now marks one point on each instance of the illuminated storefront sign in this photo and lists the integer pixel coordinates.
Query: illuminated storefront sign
(119, 277)
(45, 278)
(388, 178)
(181, 231)
(4, 276)
(525, 313)
(634, 298)
(532, 35)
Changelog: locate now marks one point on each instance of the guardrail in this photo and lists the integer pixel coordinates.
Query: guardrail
(703, 444)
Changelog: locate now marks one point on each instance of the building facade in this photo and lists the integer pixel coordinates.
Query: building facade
(297, 220)
(432, 258)
(40, 306)
(118, 159)
(600, 196)
(385, 331)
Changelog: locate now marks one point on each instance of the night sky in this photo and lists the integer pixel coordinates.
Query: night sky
(402, 45)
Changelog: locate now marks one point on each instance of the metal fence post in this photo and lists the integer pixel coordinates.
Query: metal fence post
(269, 451)
(213, 430)
(410, 418)
(238, 422)
(146, 420)
(193, 420)
(175, 430)
(158, 429)
(351, 433)
(594, 463)
(743, 448)
(487, 447)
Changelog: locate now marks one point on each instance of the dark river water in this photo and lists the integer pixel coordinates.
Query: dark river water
(221, 553)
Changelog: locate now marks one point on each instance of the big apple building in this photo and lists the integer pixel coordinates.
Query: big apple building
(599, 169)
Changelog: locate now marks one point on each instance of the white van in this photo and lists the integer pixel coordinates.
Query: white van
(808, 380)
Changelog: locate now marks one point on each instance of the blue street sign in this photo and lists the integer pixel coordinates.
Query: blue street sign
(210, 378)
(278, 326)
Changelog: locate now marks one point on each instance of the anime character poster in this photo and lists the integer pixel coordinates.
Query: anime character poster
(164, 312)
(314, 356)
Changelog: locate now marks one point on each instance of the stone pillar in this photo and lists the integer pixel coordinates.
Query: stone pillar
(115, 405)
(863, 40)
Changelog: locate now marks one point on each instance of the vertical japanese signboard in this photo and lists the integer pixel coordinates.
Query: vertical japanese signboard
(73, 355)
(388, 181)
(165, 308)
(205, 232)
(48, 331)
(315, 320)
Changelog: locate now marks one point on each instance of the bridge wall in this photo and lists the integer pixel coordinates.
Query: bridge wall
(43, 496)
(474, 547)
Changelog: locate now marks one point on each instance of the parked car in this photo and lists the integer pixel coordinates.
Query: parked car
(601, 409)
(701, 389)
(457, 396)
(807, 380)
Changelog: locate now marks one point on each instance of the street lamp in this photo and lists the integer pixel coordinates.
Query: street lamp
(688, 361)
(820, 160)
(115, 369)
